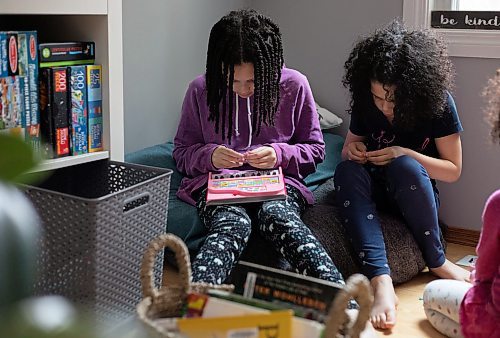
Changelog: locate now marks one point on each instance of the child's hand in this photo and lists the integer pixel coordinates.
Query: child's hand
(262, 158)
(384, 156)
(356, 151)
(223, 157)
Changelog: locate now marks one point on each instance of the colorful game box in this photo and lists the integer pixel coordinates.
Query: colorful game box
(79, 116)
(66, 53)
(55, 108)
(28, 67)
(8, 54)
(94, 94)
(4, 55)
(12, 104)
(246, 186)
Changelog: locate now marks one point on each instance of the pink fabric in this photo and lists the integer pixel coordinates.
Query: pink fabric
(480, 308)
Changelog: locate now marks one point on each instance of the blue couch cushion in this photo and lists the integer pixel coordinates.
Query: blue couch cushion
(183, 219)
(325, 170)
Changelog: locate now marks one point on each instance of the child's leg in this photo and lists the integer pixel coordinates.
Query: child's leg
(409, 183)
(353, 195)
(280, 224)
(357, 208)
(229, 227)
(442, 299)
(411, 187)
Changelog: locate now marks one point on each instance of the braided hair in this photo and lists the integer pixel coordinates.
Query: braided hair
(243, 36)
(415, 62)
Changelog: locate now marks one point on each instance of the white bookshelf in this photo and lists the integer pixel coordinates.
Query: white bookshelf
(74, 20)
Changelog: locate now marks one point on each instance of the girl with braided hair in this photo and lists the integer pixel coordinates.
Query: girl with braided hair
(459, 309)
(248, 111)
(403, 136)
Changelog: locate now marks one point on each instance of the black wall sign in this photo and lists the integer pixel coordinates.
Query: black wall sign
(465, 20)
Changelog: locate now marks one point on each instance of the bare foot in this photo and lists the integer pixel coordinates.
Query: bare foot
(450, 270)
(383, 314)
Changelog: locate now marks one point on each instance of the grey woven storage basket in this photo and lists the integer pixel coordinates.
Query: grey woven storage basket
(97, 218)
(169, 300)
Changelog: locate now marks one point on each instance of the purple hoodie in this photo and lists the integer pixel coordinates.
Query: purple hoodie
(296, 136)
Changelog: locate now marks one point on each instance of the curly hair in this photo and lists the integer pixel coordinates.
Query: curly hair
(243, 36)
(415, 62)
(492, 110)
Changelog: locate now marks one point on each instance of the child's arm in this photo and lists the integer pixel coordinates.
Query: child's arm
(306, 148)
(192, 155)
(447, 168)
(489, 243)
(495, 292)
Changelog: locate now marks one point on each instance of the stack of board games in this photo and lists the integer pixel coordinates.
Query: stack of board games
(19, 100)
(71, 114)
(246, 186)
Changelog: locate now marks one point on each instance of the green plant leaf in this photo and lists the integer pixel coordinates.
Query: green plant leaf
(16, 158)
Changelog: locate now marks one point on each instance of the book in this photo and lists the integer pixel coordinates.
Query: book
(308, 296)
(79, 116)
(217, 306)
(246, 186)
(94, 106)
(277, 324)
(55, 54)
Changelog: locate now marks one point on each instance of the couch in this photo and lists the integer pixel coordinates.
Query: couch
(405, 258)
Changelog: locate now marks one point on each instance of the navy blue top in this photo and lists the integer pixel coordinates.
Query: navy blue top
(380, 133)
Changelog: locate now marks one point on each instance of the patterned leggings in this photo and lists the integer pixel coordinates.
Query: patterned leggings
(404, 186)
(279, 222)
(442, 299)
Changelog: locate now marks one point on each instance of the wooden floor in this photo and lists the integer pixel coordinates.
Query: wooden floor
(411, 320)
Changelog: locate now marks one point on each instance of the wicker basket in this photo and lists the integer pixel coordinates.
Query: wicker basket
(169, 300)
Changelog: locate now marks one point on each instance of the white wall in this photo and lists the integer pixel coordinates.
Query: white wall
(164, 48)
(318, 35)
(463, 201)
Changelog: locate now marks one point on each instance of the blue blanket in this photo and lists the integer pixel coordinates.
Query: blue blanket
(183, 218)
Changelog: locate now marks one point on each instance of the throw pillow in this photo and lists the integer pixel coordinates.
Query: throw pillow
(327, 119)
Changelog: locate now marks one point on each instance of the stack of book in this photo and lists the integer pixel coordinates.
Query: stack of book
(19, 102)
(71, 99)
(266, 302)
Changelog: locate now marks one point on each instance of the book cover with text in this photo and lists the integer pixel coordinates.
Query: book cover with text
(94, 106)
(277, 324)
(79, 115)
(28, 67)
(310, 297)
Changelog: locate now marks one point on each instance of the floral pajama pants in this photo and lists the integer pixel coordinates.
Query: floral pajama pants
(279, 222)
(442, 299)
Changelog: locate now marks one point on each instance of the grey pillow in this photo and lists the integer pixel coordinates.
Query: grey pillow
(327, 119)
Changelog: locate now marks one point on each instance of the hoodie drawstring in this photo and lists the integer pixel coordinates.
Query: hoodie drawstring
(249, 123)
(236, 131)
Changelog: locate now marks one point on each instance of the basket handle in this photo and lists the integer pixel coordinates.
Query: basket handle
(357, 287)
(147, 267)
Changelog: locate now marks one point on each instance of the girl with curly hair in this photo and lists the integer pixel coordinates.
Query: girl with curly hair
(458, 309)
(403, 136)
